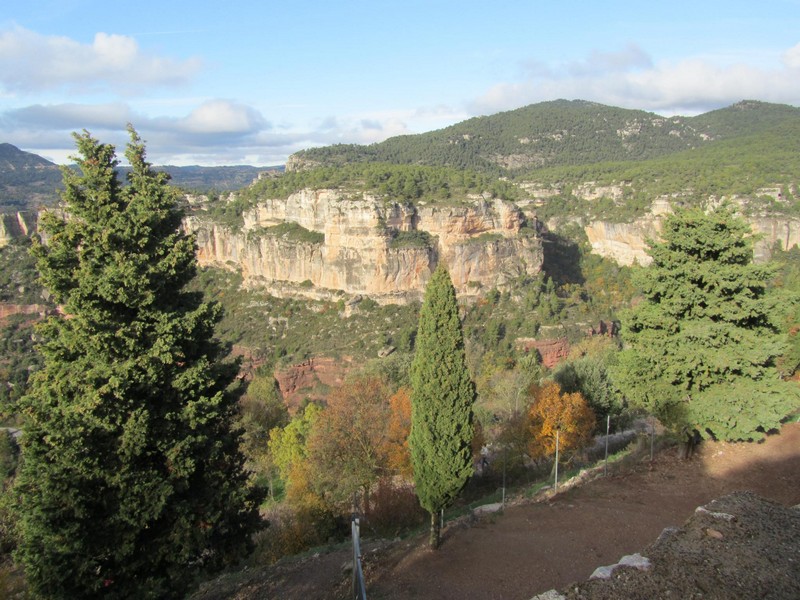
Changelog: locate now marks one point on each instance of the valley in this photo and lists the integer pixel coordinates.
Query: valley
(546, 219)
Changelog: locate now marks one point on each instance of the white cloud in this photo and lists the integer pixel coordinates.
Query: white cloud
(630, 79)
(72, 116)
(215, 132)
(32, 62)
(222, 116)
(791, 58)
(373, 127)
(629, 58)
(215, 126)
(222, 131)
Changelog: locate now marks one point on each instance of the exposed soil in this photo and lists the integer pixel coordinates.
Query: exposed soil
(533, 547)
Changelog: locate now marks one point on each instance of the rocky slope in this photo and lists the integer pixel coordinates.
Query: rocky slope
(359, 246)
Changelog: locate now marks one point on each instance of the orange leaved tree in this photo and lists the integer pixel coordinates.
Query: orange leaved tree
(567, 414)
(397, 453)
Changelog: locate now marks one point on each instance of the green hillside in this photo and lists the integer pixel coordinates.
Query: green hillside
(558, 133)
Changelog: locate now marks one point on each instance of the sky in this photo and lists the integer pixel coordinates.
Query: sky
(251, 82)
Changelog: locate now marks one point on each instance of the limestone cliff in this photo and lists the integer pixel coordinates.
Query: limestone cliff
(366, 245)
(626, 243)
(16, 225)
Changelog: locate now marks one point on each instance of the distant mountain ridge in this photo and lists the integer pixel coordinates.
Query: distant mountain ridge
(557, 133)
(12, 158)
(28, 181)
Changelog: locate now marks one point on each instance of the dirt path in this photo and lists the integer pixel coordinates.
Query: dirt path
(534, 547)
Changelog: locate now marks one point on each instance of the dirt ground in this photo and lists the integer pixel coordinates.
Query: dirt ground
(533, 547)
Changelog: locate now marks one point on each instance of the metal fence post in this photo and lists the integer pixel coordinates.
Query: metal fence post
(608, 428)
(555, 487)
(359, 588)
(652, 436)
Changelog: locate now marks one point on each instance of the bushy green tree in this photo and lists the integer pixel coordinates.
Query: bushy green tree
(261, 409)
(701, 346)
(587, 372)
(131, 479)
(441, 402)
(289, 449)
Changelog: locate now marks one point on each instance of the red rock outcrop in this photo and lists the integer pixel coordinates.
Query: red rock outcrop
(551, 351)
(304, 380)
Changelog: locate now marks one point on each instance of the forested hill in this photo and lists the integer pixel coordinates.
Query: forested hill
(558, 133)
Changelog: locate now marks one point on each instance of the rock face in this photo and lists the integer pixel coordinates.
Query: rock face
(626, 243)
(551, 351)
(16, 225)
(370, 246)
(785, 232)
(8, 310)
(301, 381)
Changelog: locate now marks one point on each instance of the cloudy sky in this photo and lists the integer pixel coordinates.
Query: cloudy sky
(216, 83)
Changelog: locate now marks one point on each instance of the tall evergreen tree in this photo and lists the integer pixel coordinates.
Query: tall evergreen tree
(441, 402)
(701, 346)
(131, 480)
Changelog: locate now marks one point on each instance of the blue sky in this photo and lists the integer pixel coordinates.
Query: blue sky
(216, 83)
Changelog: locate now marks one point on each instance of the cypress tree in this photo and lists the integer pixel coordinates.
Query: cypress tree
(701, 346)
(441, 402)
(131, 479)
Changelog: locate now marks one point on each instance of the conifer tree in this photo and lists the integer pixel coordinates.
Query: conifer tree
(701, 346)
(131, 479)
(441, 402)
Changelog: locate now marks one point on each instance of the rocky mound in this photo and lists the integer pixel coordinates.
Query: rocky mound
(738, 546)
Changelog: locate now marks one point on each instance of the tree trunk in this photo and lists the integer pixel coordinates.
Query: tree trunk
(435, 530)
(365, 490)
(686, 447)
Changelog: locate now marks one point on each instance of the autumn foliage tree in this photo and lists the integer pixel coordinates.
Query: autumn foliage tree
(288, 446)
(306, 519)
(347, 445)
(261, 409)
(398, 455)
(553, 411)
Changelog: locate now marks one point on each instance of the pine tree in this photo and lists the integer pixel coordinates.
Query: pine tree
(701, 346)
(131, 479)
(441, 402)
